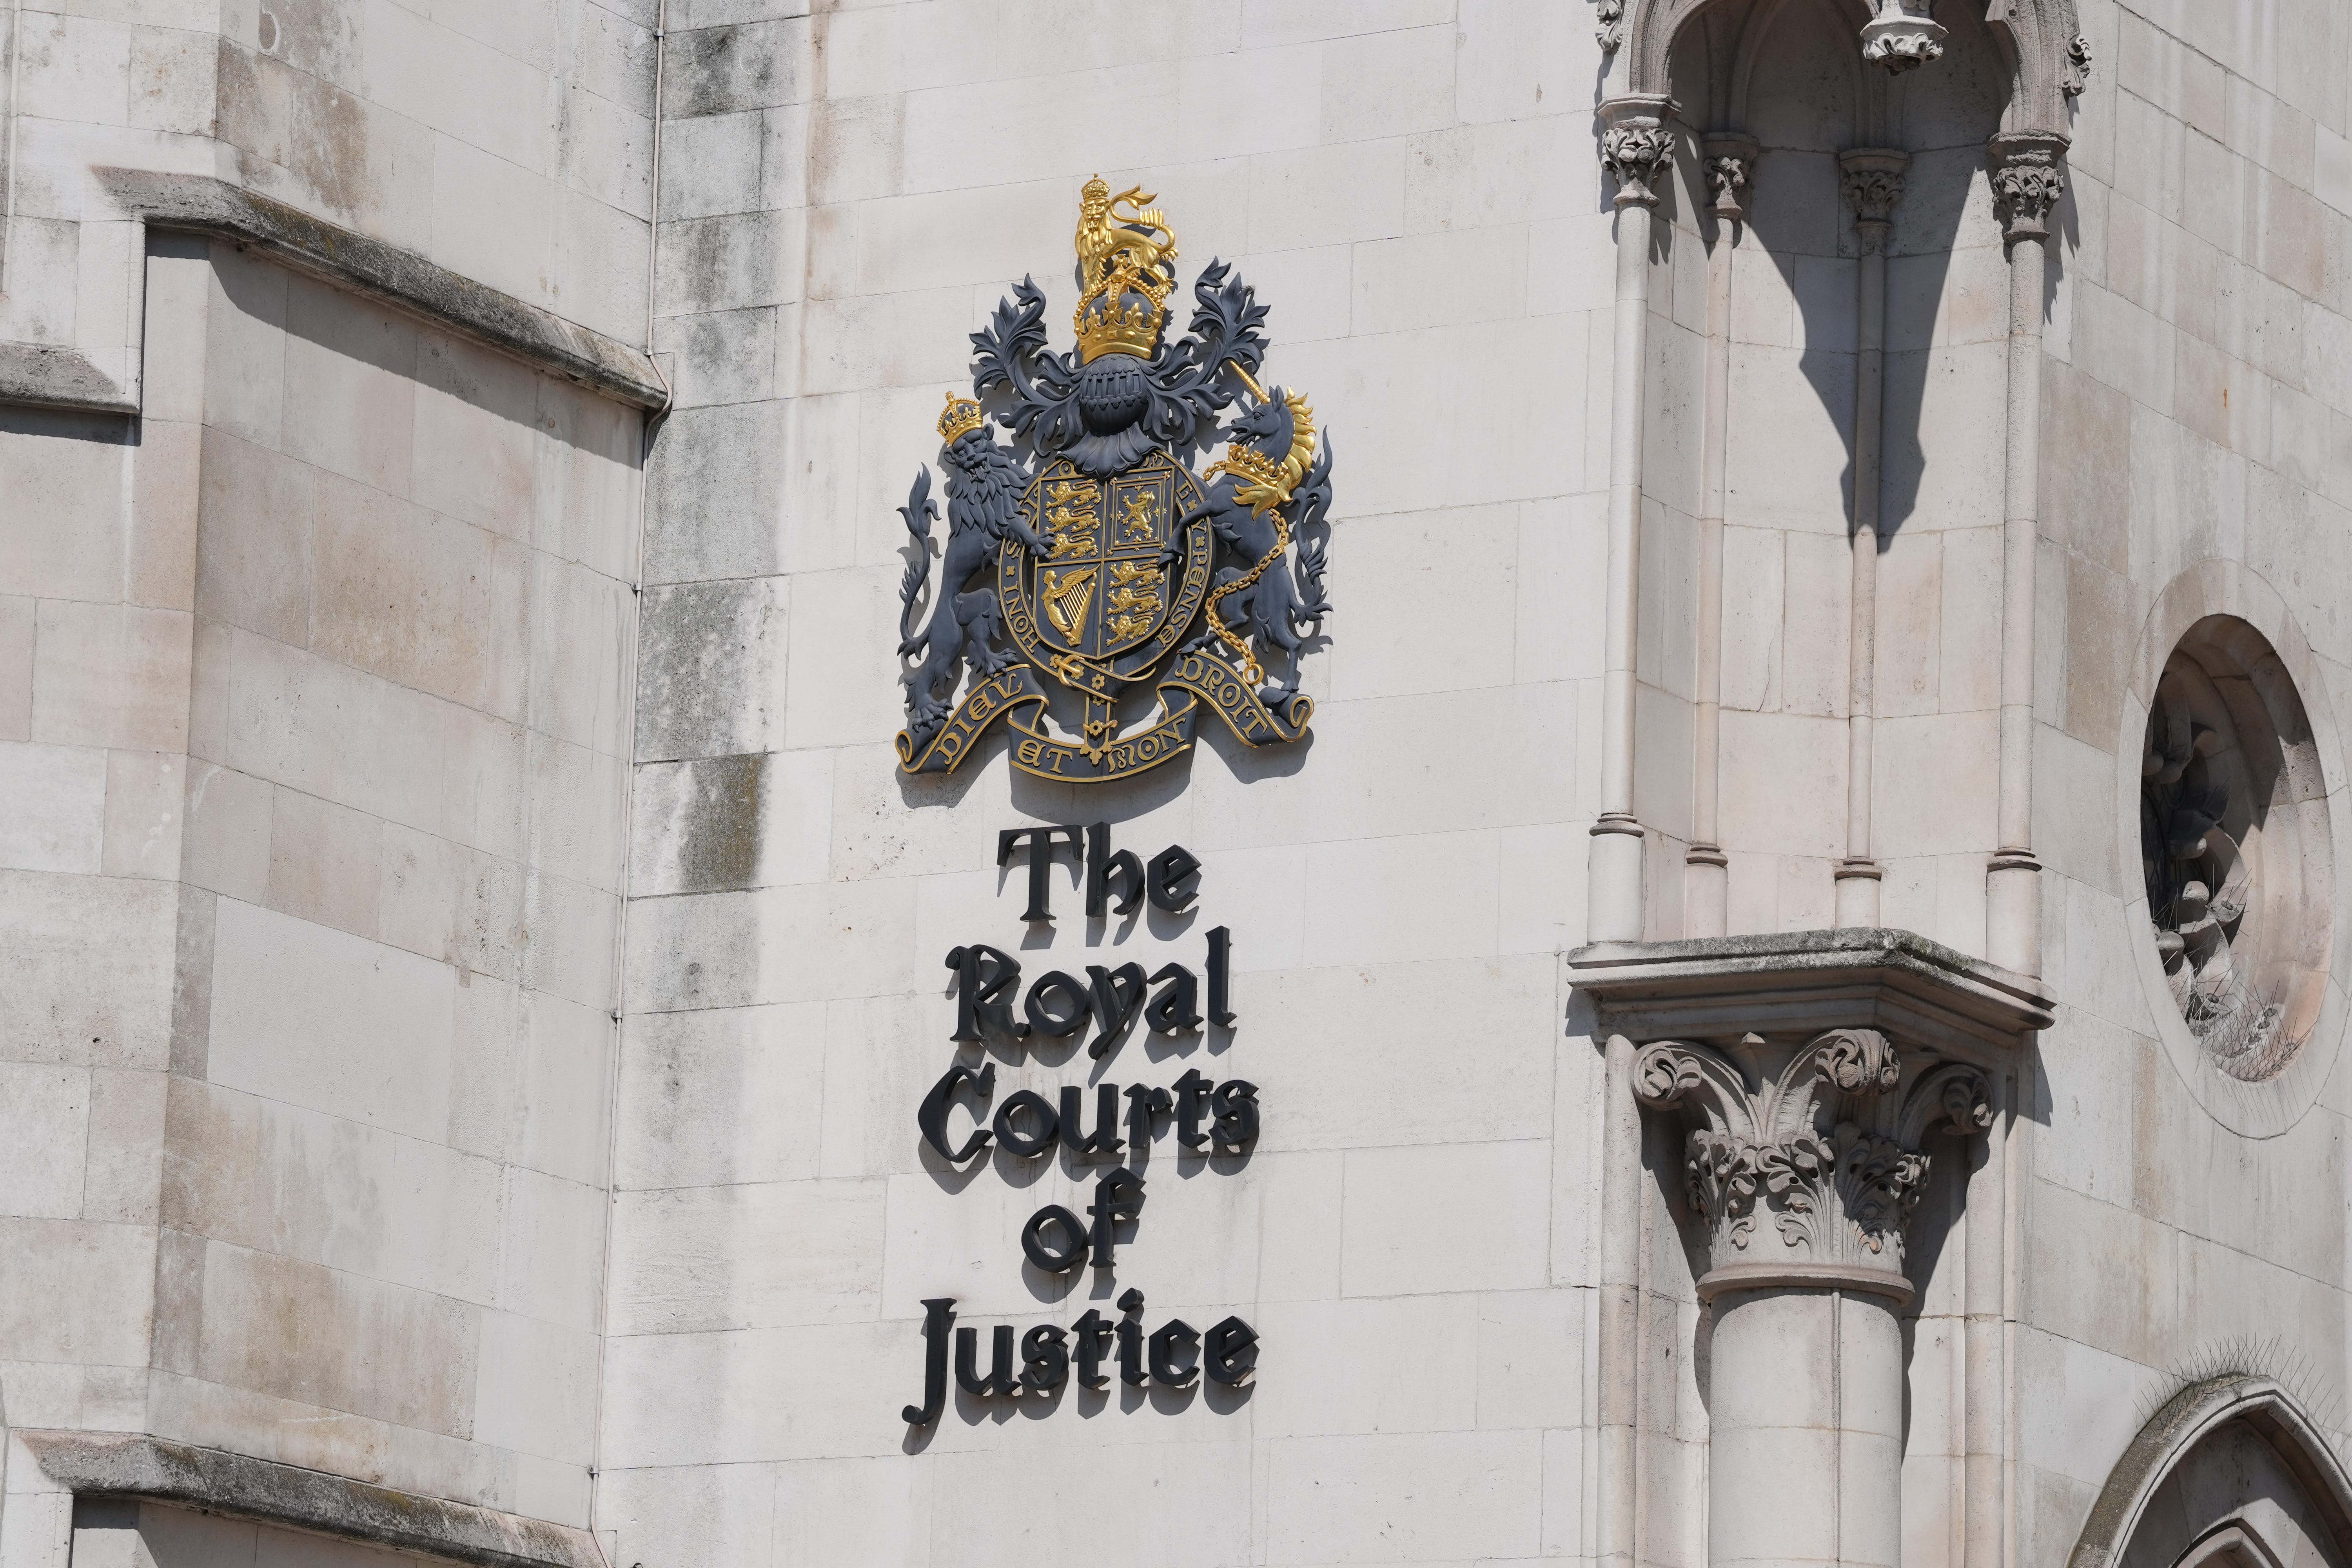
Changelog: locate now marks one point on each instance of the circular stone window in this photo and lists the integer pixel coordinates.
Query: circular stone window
(2235, 850)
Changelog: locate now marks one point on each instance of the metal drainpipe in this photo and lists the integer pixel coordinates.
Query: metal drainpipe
(628, 836)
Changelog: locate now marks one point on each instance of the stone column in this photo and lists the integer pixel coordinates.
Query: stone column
(1636, 149)
(1872, 181)
(1804, 1164)
(1730, 159)
(2027, 181)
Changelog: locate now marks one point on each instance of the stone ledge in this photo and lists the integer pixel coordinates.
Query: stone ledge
(200, 204)
(44, 377)
(1718, 988)
(133, 1465)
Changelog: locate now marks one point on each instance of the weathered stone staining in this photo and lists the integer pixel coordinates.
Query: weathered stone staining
(475, 1048)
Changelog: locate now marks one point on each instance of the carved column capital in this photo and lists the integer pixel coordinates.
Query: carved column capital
(1637, 145)
(1729, 159)
(1872, 178)
(2029, 178)
(1902, 35)
(1825, 1149)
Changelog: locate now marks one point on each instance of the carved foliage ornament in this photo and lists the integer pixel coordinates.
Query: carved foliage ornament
(2028, 179)
(2076, 74)
(1632, 154)
(1108, 574)
(1823, 1164)
(1902, 35)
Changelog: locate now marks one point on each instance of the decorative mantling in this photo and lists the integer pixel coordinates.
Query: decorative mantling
(2076, 74)
(1872, 182)
(2028, 178)
(1902, 35)
(1729, 160)
(1827, 1150)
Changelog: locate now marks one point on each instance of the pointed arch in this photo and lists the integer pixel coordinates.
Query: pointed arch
(2190, 1420)
(2034, 36)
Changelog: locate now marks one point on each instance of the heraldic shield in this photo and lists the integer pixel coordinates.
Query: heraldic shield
(1086, 567)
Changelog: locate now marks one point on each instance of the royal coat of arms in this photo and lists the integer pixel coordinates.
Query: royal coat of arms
(1088, 572)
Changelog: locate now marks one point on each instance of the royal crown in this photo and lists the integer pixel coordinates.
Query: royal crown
(961, 415)
(1124, 265)
(1105, 329)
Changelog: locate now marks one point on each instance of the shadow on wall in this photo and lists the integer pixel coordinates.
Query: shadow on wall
(1788, 73)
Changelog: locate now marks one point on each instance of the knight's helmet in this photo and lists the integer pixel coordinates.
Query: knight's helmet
(1124, 270)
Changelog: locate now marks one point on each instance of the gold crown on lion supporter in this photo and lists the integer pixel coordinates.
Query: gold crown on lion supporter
(961, 415)
(1124, 265)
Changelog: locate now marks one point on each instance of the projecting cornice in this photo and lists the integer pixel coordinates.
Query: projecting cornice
(1804, 983)
(200, 204)
(42, 376)
(135, 1465)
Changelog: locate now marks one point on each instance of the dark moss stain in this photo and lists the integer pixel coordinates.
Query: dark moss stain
(719, 70)
(720, 830)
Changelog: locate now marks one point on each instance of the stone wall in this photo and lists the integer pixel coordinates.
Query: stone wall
(853, 193)
(2193, 377)
(456, 1042)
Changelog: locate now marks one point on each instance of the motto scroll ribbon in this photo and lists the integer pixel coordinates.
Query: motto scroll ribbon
(1194, 681)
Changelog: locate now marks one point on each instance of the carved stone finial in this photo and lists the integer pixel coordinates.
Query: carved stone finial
(1827, 1148)
(1612, 31)
(1902, 35)
(1872, 181)
(1632, 154)
(2076, 74)
(1729, 160)
(2028, 179)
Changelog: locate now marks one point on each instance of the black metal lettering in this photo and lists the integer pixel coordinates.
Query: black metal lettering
(1045, 1364)
(1221, 959)
(1130, 1338)
(1103, 1139)
(1040, 842)
(1092, 1337)
(931, 1116)
(1118, 1195)
(1177, 1007)
(1144, 1105)
(1230, 1351)
(983, 973)
(1001, 1373)
(1009, 1136)
(1117, 996)
(1073, 1235)
(1104, 866)
(938, 1318)
(1192, 1098)
(1237, 1106)
(1070, 1016)
(1173, 1344)
(1171, 866)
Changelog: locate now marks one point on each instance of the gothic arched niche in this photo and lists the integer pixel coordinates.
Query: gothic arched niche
(2231, 1473)
(1789, 74)
(2231, 1502)
(2043, 56)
